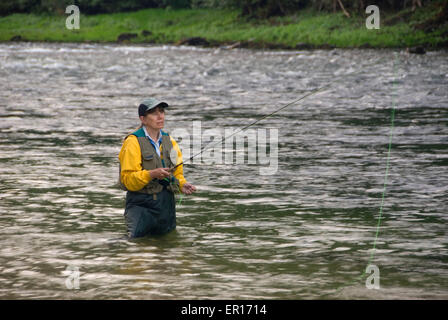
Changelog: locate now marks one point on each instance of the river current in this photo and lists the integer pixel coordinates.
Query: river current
(306, 228)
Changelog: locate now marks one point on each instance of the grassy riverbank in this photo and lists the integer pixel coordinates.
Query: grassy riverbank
(225, 27)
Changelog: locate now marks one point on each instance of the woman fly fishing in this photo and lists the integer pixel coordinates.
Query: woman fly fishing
(150, 173)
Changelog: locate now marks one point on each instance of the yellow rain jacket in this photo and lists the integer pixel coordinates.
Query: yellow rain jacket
(132, 174)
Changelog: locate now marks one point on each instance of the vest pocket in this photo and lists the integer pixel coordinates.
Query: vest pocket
(149, 162)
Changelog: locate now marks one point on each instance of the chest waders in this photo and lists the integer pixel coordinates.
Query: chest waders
(151, 210)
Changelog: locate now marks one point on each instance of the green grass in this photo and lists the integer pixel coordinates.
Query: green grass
(223, 27)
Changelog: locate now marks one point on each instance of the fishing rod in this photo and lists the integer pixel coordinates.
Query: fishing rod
(249, 125)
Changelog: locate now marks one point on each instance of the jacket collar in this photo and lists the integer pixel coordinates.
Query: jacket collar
(160, 135)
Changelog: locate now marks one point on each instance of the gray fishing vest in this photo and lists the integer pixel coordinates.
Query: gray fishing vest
(151, 160)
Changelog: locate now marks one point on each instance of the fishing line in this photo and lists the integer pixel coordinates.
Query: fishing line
(262, 118)
(244, 128)
(380, 217)
(266, 116)
(249, 125)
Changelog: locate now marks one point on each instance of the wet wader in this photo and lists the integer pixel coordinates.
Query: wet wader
(152, 210)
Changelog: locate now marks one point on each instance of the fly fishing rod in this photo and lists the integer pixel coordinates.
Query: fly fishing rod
(249, 125)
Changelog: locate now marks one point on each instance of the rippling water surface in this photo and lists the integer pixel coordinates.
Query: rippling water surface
(306, 232)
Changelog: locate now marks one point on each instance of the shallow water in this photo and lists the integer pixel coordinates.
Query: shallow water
(306, 232)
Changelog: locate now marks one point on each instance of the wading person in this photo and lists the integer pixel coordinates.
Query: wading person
(145, 161)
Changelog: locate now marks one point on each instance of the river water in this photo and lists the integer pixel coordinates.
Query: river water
(307, 231)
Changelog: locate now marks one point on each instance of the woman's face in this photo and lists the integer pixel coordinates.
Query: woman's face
(154, 119)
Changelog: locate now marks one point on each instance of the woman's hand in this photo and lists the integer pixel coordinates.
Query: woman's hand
(188, 188)
(159, 173)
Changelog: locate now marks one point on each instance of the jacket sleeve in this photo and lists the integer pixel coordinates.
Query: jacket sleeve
(132, 174)
(179, 172)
